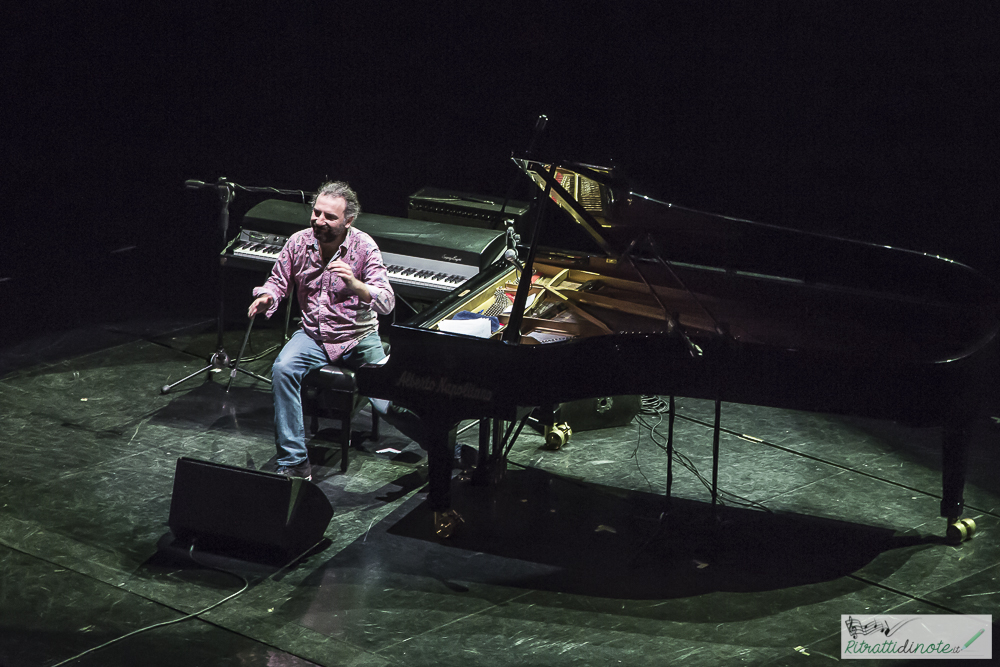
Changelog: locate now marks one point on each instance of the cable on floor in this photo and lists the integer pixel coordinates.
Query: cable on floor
(246, 585)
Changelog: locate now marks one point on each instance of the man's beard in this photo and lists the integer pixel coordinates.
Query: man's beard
(324, 234)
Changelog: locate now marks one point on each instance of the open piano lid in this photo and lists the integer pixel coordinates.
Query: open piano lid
(586, 192)
(623, 222)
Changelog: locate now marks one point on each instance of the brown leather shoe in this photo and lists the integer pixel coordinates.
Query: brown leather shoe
(301, 470)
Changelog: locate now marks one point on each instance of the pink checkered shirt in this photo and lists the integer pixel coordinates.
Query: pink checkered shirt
(331, 315)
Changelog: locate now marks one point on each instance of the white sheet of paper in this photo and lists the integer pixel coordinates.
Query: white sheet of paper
(479, 327)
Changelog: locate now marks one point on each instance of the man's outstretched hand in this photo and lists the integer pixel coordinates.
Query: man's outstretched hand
(260, 305)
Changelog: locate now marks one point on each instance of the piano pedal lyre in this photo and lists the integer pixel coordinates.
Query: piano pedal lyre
(446, 522)
(960, 530)
(557, 435)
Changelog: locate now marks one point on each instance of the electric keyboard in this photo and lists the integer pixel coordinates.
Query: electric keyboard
(424, 259)
(258, 246)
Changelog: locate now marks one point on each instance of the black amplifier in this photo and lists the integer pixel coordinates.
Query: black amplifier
(461, 208)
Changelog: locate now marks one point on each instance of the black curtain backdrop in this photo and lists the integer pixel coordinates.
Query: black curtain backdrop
(872, 120)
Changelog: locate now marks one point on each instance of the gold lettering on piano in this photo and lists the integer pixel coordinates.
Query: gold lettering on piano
(444, 386)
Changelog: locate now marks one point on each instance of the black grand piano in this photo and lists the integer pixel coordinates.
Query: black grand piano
(686, 303)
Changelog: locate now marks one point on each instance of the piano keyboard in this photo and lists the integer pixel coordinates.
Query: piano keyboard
(430, 273)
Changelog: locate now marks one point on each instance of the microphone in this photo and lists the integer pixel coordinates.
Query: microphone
(202, 185)
(510, 256)
(539, 129)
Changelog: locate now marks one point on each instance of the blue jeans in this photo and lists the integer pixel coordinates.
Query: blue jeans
(300, 355)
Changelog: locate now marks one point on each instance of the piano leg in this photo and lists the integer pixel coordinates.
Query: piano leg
(670, 451)
(480, 474)
(955, 436)
(716, 430)
(439, 441)
(484, 442)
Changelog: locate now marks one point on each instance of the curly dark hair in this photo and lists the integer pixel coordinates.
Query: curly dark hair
(340, 189)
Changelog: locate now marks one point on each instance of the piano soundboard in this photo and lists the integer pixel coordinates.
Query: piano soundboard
(424, 259)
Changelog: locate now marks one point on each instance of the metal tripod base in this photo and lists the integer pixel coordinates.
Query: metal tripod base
(219, 361)
(216, 362)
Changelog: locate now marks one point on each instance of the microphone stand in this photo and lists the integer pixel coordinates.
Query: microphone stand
(220, 360)
(540, 124)
(512, 334)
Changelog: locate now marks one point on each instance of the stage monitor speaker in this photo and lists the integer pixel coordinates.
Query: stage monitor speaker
(254, 515)
(593, 413)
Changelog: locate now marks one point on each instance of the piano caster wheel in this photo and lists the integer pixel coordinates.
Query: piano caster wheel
(960, 530)
(445, 523)
(557, 435)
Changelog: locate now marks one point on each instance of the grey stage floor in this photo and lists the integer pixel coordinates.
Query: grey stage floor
(575, 558)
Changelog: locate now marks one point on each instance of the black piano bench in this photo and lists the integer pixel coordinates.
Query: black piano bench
(330, 392)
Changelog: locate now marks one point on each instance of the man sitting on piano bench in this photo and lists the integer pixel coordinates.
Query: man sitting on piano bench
(342, 285)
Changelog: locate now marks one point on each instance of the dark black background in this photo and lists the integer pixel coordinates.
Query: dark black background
(872, 120)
